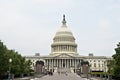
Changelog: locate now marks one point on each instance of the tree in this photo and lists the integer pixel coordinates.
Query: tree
(18, 65)
(110, 65)
(3, 62)
(116, 59)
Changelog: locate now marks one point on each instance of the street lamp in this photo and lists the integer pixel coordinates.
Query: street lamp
(87, 70)
(34, 68)
(105, 70)
(10, 60)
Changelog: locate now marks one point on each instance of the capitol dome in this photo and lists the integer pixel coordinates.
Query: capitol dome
(63, 41)
(63, 29)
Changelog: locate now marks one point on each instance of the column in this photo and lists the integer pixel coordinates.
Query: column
(58, 63)
(61, 48)
(46, 64)
(68, 48)
(52, 65)
(70, 63)
(65, 47)
(58, 48)
(49, 63)
(72, 48)
(65, 63)
(80, 66)
(62, 63)
(75, 64)
(55, 63)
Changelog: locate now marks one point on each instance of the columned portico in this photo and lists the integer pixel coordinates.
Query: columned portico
(62, 63)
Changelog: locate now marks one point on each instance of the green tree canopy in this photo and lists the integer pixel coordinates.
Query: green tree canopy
(18, 65)
(116, 59)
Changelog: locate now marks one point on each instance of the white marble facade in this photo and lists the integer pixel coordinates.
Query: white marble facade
(64, 54)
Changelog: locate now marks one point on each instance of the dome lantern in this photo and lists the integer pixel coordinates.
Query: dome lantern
(64, 21)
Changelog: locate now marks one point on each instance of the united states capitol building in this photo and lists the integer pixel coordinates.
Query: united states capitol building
(64, 54)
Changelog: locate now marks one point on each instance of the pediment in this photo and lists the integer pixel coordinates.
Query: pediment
(64, 55)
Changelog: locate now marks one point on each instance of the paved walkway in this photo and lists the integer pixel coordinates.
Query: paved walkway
(56, 76)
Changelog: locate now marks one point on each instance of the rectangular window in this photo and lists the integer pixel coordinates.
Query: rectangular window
(94, 64)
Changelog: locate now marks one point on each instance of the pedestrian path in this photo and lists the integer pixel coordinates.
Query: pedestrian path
(56, 76)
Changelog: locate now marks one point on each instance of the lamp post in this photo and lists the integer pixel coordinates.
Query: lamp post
(105, 70)
(10, 60)
(88, 70)
(34, 70)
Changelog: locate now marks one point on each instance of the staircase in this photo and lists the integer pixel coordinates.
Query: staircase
(64, 70)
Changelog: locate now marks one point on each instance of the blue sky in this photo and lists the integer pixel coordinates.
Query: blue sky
(28, 26)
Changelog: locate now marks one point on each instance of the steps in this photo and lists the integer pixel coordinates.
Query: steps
(64, 70)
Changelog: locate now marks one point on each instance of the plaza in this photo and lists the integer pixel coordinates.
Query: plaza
(57, 76)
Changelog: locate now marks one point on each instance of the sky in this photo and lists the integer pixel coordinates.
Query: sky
(28, 26)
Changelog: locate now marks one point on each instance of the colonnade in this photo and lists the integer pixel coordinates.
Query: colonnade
(60, 48)
(52, 64)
